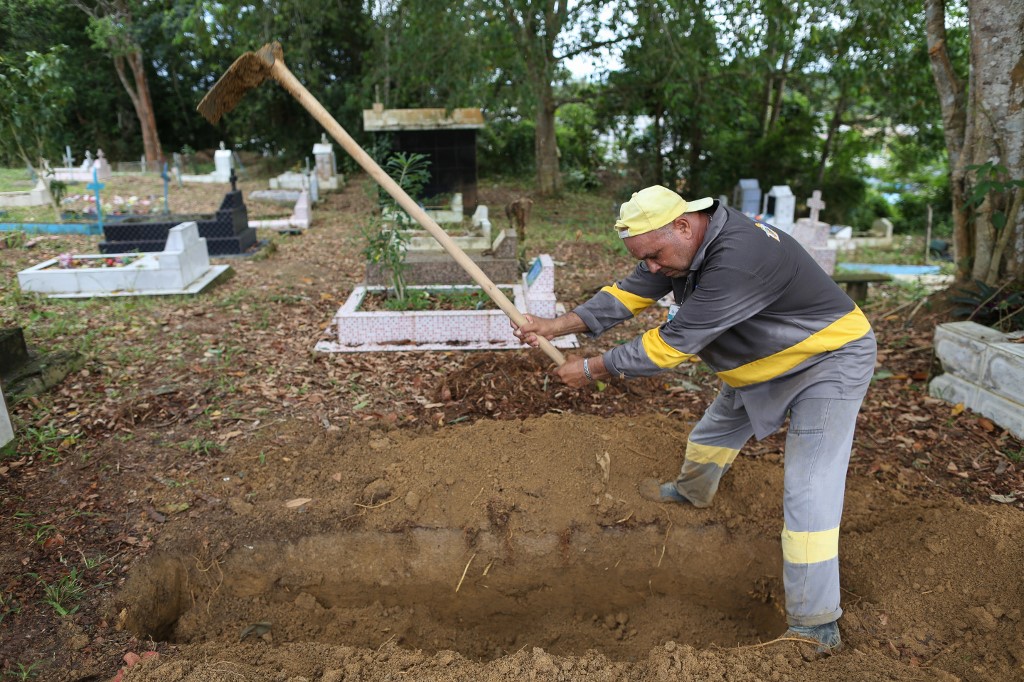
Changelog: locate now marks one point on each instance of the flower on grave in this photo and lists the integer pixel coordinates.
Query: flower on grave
(65, 260)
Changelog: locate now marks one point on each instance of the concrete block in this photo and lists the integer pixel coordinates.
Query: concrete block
(983, 371)
(961, 347)
(1004, 370)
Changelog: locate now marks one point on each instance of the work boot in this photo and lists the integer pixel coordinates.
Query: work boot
(651, 490)
(826, 635)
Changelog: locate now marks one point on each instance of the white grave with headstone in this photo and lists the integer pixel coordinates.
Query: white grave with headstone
(778, 207)
(746, 196)
(183, 267)
(813, 235)
(6, 430)
(305, 180)
(326, 164)
(84, 172)
(300, 219)
(222, 164)
(37, 196)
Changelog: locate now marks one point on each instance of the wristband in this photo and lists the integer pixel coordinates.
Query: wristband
(586, 369)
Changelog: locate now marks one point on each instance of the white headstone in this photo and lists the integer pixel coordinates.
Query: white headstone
(323, 154)
(779, 207)
(6, 430)
(222, 164)
(747, 196)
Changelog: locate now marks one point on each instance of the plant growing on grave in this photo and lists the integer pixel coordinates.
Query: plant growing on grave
(388, 243)
(999, 307)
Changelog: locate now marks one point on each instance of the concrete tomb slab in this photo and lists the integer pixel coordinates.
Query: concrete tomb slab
(183, 267)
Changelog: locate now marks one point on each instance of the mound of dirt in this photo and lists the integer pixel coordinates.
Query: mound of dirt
(521, 549)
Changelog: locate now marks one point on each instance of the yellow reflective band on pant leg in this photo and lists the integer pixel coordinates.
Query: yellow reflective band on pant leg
(809, 547)
(709, 454)
(633, 303)
(660, 353)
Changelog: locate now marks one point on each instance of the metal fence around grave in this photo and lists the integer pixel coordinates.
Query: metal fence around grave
(135, 167)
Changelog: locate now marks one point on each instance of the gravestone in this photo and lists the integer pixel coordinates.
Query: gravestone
(226, 232)
(223, 165)
(422, 267)
(778, 207)
(24, 372)
(747, 196)
(326, 164)
(813, 235)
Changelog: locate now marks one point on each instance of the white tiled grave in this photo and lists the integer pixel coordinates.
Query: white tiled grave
(183, 267)
(984, 370)
(353, 331)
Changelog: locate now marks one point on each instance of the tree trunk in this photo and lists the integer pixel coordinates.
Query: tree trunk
(139, 95)
(549, 179)
(985, 126)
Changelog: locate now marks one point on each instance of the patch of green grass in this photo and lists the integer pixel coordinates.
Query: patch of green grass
(15, 179)
(23, 672)
(63, 596)
(585, 218)
(38, 533)
(201, 446)
(41, 442)
(8, 606)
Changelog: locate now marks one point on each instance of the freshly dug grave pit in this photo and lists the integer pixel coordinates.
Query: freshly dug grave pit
(609, 590)
(522, 549)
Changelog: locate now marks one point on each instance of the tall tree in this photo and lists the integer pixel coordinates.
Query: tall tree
(545, 34)
(984, 133)
(111, 26)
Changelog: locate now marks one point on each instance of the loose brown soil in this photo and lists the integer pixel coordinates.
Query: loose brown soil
(252, 510)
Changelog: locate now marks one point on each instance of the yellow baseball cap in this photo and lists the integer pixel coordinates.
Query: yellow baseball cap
(652, 208)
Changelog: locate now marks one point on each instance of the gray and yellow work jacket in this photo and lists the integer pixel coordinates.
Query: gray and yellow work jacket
(757, 309)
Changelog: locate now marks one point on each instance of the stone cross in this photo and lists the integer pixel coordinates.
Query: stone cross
(96, 186)
(233, 179)
(815, 204)
(69, 160)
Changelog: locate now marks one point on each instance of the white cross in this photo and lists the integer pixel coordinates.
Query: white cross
(816, 204)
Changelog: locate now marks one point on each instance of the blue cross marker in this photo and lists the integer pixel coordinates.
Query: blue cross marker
(96, 186)
(167, 179)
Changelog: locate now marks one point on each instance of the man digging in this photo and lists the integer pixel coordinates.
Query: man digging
(784, 339)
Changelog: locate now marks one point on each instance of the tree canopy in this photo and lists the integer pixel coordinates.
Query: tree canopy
(835, 95)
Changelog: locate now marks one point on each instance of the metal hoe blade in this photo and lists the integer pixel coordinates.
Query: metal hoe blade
(247, 72)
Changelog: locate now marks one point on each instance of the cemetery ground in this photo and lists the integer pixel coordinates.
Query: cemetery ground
(208, 487)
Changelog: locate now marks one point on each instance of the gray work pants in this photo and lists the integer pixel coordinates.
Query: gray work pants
(817, 455)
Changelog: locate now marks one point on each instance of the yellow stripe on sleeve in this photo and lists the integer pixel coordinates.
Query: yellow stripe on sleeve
(698, 453)
(849, 327)
(660, 353)
(809, 547)
(632, 302)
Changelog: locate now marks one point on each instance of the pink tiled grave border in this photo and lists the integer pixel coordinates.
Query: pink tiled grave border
(353, 331)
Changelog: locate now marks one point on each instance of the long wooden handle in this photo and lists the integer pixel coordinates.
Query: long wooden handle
(283, 76)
